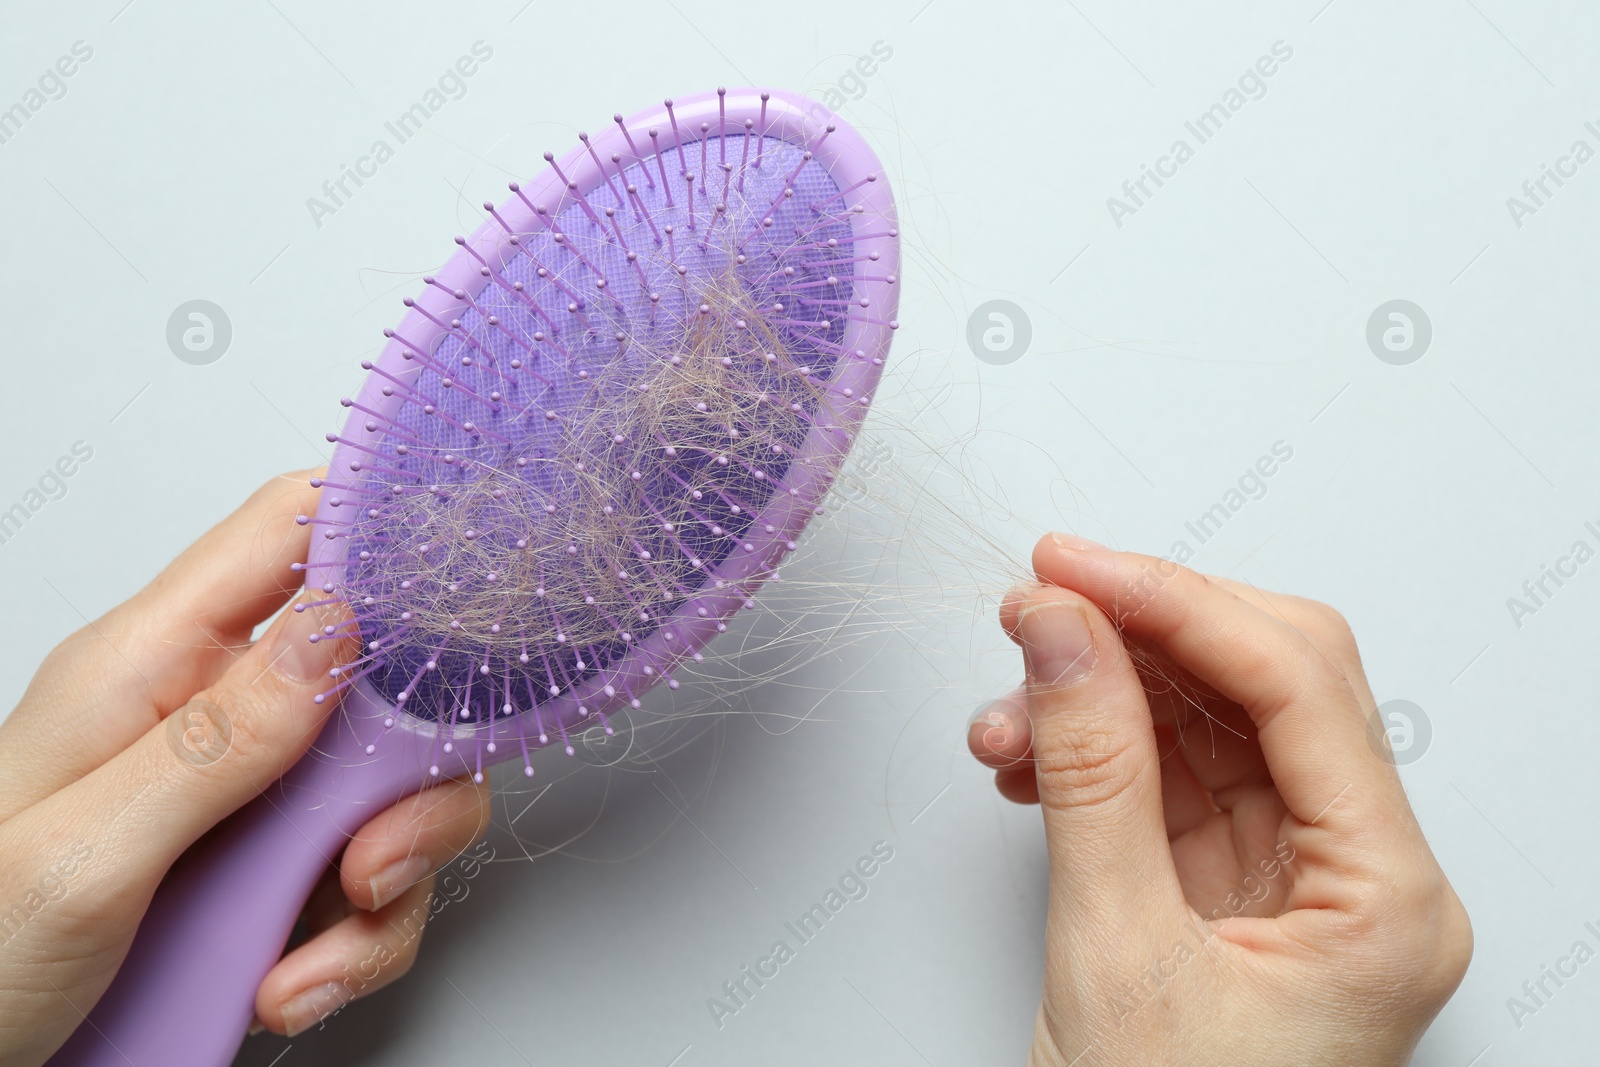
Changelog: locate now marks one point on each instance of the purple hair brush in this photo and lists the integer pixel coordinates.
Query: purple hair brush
(596, 432)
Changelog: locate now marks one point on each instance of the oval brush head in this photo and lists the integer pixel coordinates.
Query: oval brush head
(603, 423)
(596, 432)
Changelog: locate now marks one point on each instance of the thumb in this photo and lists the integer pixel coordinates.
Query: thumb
(222, 748)
(1098, 771)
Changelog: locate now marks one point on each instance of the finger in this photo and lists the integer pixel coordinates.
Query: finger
(237, 573)
(110, 682)
(999, 734)
(1321, 625)
(325, 907)
(1310, 724)
(1222, 749)
(1018, 784)
(412, 840)
(1218, 738)
(1175, 695)
(1185, 803)
(1215, 737)
(1097, 771)
(359, 954)
(212, 755)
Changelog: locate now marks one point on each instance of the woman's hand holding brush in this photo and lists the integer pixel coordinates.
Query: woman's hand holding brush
(149, 726)
(1235, 873)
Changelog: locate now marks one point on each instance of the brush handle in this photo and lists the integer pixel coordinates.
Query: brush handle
(185, 995)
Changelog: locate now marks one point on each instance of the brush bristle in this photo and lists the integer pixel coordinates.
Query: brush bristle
(595, 429)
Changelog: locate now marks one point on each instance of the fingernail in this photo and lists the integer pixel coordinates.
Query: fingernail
(255, 1026)
(1074, 543)
(396, 878)
(990, 714)
(1000, 712)
(305, 1010)
(293, 653)
(1056, 643)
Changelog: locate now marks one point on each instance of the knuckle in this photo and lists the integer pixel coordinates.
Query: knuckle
(1328, 617)
(272, 490)
(59, 673)
(201, 733)
(388, 957)
(1261, 668)
(403, 956)
(1456, 942)
(277, 502)
(1446, 931)
(1323, 626)
(297, 479)
(455, 819)
(1083, 768)
(1331, 627)
(225, 732)
(90, 655)
(1414, 935)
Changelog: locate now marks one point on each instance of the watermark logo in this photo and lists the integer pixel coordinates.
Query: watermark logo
(451, 85)
(50, 86)
(199, 332)
(452, 885)
(868, 460)
(1541, 588)
(851, 84)
(49, 888)
(1537, 192)
(1399, 332)
(200, 733)
(51, 485)
(1149, 985)
(1539, 991)
(999, 728)
(999, 332)
(606, 745)
(1252, 485)
(1399, 732)
(1137, 192)
(853, 885)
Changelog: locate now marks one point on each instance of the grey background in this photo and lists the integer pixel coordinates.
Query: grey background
(1228, 313)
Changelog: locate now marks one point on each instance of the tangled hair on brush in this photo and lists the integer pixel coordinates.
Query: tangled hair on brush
(611, 416)
(653, 480)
